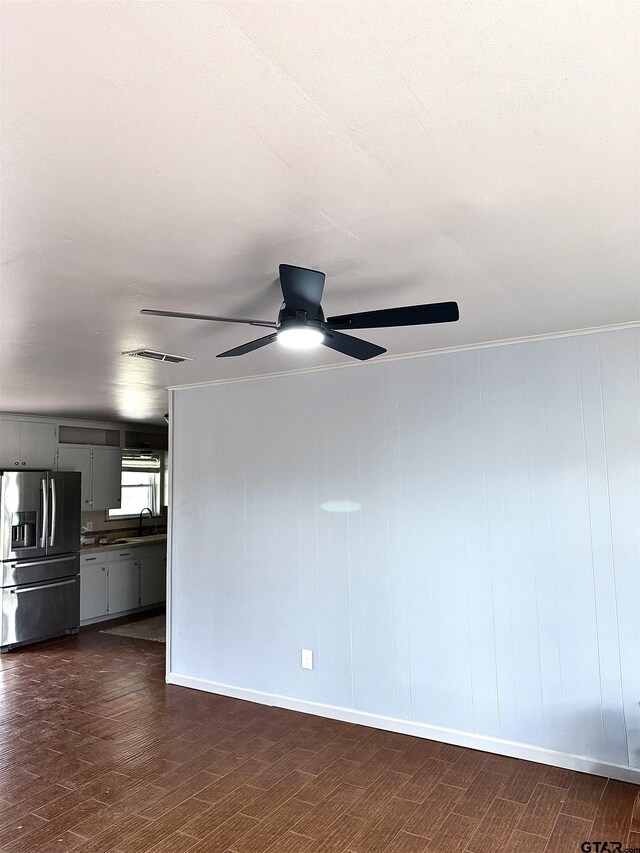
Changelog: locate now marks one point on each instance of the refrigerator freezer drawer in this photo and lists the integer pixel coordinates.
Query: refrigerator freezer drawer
(39, 611)
(15, 572)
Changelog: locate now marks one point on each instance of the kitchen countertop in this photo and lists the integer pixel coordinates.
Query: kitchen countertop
(132, 542)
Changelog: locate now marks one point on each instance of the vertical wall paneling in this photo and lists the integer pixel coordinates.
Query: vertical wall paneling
(501, 570)
(604, 586)
(545, 600)
(519, 565)
(621, 407)
(418, 579)
(456, 537)
(581, 704)
(475, 533)
(445, 556)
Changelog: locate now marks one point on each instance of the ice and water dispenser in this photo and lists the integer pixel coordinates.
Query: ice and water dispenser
(23, 530)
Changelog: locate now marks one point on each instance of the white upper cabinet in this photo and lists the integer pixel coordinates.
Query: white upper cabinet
(101, 469)
(79, 459)
(107, 477)
(27, 444)
(94, 449)
(37, 445)
(9, 444)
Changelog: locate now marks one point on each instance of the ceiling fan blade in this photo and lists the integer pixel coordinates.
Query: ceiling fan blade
(348, 345)
(267, 323)
(245, 348)
(411, 315)
(301, 289)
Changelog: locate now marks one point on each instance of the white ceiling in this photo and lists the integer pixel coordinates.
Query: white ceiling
(171, 155)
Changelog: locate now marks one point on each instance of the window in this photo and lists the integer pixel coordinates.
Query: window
(141, 485)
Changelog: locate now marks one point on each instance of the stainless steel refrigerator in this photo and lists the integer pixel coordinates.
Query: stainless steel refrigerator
(39, 555)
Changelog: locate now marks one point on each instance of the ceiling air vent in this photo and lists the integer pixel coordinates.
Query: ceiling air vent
(157, 356)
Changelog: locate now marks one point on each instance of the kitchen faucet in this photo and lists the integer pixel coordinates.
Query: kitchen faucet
(140, 528)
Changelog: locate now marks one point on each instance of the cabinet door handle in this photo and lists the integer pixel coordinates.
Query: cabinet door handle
(88, 559)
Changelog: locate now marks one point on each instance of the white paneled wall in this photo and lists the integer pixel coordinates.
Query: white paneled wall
(486, 577)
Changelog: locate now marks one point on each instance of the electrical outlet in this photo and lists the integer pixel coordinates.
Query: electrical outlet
(89, 526)
(307, 659)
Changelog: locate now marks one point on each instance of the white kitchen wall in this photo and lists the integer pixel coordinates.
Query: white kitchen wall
(486, 577)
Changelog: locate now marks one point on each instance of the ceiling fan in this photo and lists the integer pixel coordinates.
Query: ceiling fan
(301, 323)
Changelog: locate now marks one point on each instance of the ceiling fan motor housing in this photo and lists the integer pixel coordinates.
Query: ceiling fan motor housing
(291, 319)
(299, 332)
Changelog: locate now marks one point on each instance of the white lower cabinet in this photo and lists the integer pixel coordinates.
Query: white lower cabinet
(117, 581)
(153, 575)
(124, 585)
(94, 601)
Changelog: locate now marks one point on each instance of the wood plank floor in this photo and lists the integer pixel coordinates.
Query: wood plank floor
(98, 754)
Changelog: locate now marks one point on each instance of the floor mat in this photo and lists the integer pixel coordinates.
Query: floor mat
(154, 628)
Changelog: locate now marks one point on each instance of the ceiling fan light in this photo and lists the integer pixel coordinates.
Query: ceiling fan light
(300, 337)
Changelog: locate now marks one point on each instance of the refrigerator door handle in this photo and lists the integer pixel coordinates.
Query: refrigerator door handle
(52, 537)
(20, 589)
(44, 561)
(45, 513)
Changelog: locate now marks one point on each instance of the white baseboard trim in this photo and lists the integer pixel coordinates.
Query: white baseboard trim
(512, 749)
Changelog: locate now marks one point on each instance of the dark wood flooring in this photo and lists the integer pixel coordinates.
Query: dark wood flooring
(98, 754)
